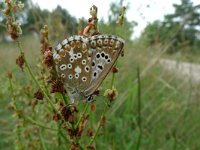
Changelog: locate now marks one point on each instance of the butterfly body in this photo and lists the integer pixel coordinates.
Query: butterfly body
(83, 62)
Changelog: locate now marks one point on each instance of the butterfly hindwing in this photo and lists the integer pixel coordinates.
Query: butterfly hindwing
(106, 49)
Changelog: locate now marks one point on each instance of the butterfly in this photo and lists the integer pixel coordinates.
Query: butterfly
(83, 62)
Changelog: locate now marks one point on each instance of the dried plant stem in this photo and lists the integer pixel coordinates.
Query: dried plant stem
(44, 92)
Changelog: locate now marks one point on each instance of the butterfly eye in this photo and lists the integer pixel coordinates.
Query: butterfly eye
(79, 55)
(70, 76)
(89, 98)
(93, 43)
(76, 75)
(63, 67)
(83, 61)
(97, 56)
(84, 79)
(62, 75)
(87, 68)
(69, 66)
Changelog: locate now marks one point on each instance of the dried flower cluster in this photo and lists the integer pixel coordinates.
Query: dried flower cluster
(111, 94)
(120, 19)
(115, 69)
(20, 61)
(13, 26)
(39, 95)
(46, 50)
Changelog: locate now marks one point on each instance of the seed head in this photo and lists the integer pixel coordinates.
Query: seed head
(74, 146)
(39, 95)
(103, 120)
(20, 5)
(57, 86)
(44, 34)
(48, 59)
(68, 112)
(10, 75)
(20, 61)
(115, 69)
(89, 132)
(93, 107)
(90, 147)
(111, 94)
(56, 117)
(13, 28)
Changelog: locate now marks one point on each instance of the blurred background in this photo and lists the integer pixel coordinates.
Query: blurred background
(162, 40)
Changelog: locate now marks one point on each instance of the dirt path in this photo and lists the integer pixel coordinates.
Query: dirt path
(182, 69)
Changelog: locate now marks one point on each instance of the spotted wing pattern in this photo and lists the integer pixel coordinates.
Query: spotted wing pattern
(105, 50)
(83, 62)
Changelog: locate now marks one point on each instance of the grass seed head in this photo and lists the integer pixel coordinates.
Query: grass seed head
(20, 61)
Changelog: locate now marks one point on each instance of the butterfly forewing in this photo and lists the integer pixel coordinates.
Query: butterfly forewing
(83, 62)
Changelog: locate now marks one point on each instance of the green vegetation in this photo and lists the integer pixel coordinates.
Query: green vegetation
(181, 26)
(154, 110)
